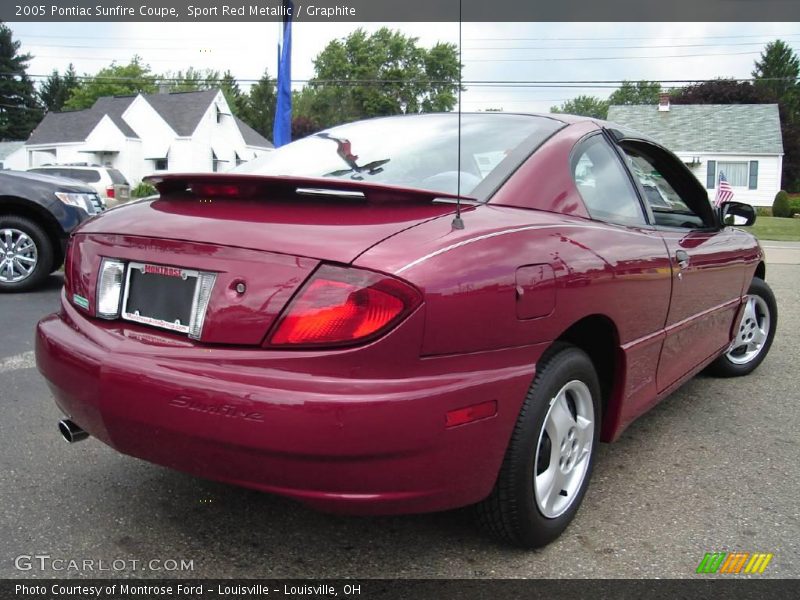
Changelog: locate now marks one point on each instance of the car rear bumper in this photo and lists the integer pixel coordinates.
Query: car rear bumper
(346, 444)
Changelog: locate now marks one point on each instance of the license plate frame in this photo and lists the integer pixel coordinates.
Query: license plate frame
(160, 271)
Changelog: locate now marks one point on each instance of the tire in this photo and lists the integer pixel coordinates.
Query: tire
(519, 510)
(754, 335)
(26, 254)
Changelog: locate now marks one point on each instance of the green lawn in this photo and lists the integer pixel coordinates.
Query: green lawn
(775, 228)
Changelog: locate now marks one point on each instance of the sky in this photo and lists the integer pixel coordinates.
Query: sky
(491, 52)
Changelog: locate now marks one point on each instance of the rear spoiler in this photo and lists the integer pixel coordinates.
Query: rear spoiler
(226, 185)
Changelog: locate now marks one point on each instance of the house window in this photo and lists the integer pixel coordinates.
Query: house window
(221, 113)
(711, 175)
(737, 173)
(160, 164)
(216, 162)
(753, 182)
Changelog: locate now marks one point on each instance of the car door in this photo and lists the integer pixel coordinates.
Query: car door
(634, 252)
(706, 261)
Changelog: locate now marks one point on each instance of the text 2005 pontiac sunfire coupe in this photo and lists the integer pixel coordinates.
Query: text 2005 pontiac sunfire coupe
(322, 324)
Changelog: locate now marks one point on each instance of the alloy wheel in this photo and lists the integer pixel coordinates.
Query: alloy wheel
(564, 449)
(753, 331)
(18, 255)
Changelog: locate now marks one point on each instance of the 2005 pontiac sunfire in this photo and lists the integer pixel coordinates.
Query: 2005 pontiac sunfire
(323, 326)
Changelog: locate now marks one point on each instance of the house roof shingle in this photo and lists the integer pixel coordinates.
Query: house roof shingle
(251, 136)
(114, 106)
(181, 110)
(8, 148)
(65, 127)
(723, 128)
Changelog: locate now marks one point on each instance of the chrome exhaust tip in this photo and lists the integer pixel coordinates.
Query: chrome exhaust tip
(71, 431)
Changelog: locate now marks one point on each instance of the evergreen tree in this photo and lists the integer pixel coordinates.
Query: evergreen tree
(258, 108)
(233, 95)
(19, 109)
(777, 72)
(56, 89)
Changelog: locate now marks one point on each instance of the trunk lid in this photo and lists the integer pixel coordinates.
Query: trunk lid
(269, 237)
(325, 219)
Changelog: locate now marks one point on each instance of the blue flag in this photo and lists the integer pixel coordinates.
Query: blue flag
(282, 130)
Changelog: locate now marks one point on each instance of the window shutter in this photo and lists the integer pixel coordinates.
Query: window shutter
(753, 183)
(711, 177)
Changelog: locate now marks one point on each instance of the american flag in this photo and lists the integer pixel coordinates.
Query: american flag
(724, 191)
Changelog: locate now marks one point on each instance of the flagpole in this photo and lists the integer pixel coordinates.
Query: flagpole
(282, 128)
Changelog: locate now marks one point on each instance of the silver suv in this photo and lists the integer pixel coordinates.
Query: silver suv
(109, 183)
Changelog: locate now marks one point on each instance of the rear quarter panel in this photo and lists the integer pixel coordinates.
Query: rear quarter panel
(470, 282)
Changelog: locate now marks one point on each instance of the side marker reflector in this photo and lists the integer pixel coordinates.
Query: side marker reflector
(468, 414)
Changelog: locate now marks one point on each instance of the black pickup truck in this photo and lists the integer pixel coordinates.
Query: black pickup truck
(37, 214)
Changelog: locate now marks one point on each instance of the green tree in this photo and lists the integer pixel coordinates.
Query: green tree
(639, 92)
(114, 80)
(586, 106)
(54, 91)
(191, 80)
(19, 109)
(385, 73)
(258, 107)
(233, 95)
(777, 73)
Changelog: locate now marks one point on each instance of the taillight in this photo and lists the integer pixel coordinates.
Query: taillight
(342, 306)
(110, 192)
(109, 288)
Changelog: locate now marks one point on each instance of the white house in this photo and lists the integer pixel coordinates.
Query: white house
(148, 133)
(12, 156)
(741, 141)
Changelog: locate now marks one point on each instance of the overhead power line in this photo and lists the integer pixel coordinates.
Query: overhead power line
(472, 82)
(772, 36)
(592, 48)
(181, 45)
(585, 58)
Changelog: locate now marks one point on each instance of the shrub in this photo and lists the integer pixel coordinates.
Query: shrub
(763, 211)
(794, 206)
(142, 190)
(780, 208)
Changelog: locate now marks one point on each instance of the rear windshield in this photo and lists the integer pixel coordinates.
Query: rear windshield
(117, 177)
(419, 151)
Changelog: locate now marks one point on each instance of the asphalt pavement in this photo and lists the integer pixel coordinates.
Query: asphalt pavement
(715, 467)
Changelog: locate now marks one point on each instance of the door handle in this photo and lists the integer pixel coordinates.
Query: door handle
(683, 258)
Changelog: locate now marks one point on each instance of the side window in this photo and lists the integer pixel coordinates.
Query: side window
(85, 175)
(669, 209)
(604, 185)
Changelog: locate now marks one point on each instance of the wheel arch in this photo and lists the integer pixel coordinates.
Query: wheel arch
(598, 336)
(19, 207)
(761, 271)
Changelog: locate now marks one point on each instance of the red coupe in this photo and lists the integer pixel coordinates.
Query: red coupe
(370, 321)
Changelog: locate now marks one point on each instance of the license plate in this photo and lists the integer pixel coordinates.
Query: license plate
(160, 296)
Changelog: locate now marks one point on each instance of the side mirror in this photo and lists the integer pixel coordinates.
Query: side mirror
(737, 213)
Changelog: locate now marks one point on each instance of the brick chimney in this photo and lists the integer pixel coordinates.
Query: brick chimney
(663, 102)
